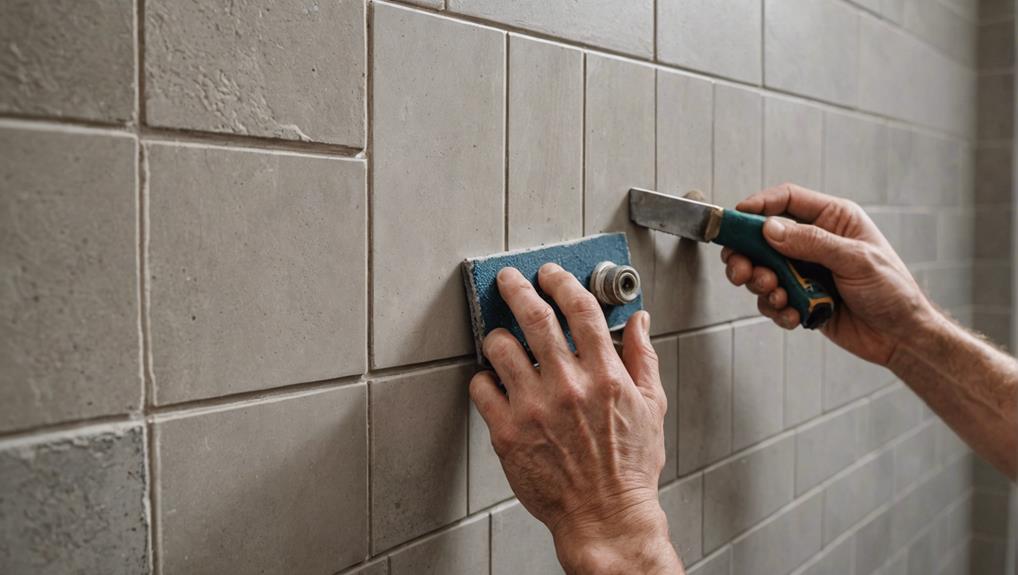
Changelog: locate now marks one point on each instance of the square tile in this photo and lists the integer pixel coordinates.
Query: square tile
(462, 550)
(738, 141)
(520, 543)
(803, 372)
(722, 38)
(668, 366)
(487, 483)
(682, 502)
(793, 143)
(758, 380)
(705, 398)
(855, 158)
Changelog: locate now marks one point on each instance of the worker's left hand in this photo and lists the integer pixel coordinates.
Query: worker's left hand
(581, 438)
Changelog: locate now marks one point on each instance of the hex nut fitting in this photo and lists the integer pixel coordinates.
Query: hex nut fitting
(614, 284)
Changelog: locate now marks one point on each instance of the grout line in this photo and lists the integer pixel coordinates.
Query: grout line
(583, 146)
(369, 502)
(369, 209)
(505, 144)
(187, 136)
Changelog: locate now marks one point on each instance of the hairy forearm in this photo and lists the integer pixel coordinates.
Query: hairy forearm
(966, 381)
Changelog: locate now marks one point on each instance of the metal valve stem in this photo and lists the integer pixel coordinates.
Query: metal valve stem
(614, 284)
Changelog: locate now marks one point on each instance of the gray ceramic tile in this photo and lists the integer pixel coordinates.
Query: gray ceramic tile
(718, 564)
(990, 514)
(846, 377)
(520, 543)
(956, 234)
(595, 22)
(738, 140)
(487, 484)
(834, 560)
(438, 182)
(232, 232)
(793, 143)
(69, 59)
(855, 157)
(828, 69)
(994, 239)
(260, 69)
(682, 502)
(996, 291)
(462, 550)
(74, 503)
(757, 382)
(993, 173)
(668, 366)
(705, 398)
(993, 9)
(996, 45)
(917, 237)
(722, 38)
(915, 456)
(924, 170)
(418, 453)
(292, 471)
(545, 203)
(377, 567)
(685, 133)
(825, 446)
(860, 491)
(988, 478)
(803, 372)
(783, 542)
(949, 445)
(951, 33)
(620, 108)
(873, 545)
(922, 557)
(68, 242)
(746, 489)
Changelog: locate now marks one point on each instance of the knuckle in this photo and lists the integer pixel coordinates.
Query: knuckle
(571, 396)
(536, 316)
(501, 440)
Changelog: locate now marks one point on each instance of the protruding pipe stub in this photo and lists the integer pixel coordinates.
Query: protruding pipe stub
(613, 284)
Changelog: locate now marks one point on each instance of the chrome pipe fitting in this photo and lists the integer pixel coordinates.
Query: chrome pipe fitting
(613, 284)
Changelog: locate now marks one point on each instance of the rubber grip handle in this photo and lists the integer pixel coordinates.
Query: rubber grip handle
(810, 287)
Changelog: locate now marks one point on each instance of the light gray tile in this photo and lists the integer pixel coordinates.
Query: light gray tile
(545, 115)
(873, 545)
(258, 69)
(925, 170)
(993, 174)
(718, 564)
(994, 284)
(738, 140)
(487, 484)
(682, 502)
(915, 456)
(994, 324)
(595, 22)
(793, 143)
(705, 398)
(75, 503)
(68, 242)
(988, 478)
(825, 446)
(950, 286)
(377, 567)
(956, 234)
(828, 70)
(834, 560)
(855, 158)
(852, 496)
(990, 514)
(520, 543)
(437, 182)
(994, 239)
(917, 237)
(685, 133)
(462, 550)
(233, 232)
(668, 366)
(722, 38)
(953, 34)
(418, 453)
(68, 58)
(996, 45)
(890, 414)
(782, 543)
(996, 105)
(745, 490)
(803, 375)
(292, 471)
(988, 556)
(757, 382)
(994, 9)
(846, 377)
(620, 108)
(922, 555)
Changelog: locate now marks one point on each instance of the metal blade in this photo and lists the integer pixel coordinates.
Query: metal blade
(674, 215)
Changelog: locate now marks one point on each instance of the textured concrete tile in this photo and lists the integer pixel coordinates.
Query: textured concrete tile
(915, 456)
(803, 372)
(951, 286)
(783, 543)
(758, 379)
(74, 503)
(738, 137)
(682, 502)
(852, 496)
(834, 560)
(994, 9)
(68, 58)
(993, 174)
(944, 28)
(996, 105)
(595, 22)
(956, 234)
(996, 291)
(949, 445)
(922, 557)
(291, 471)
(917, 237)
(462, 550)
(438, 181)
(924, 170)
(668, 366)
(620, 108)
(988, 478)
(988, 556)
(995, 238)
(545, 115)
(718, 564)
(846, 377)
(722, 38)
(793, 143)
(741, 492)
(855, 158)
(990, 513)
(520, 543)
(996, 45)
(685, 133)
(68, 243)
(995, 325)
(825, 446)
(377, 567)
(247, 251)
(487, 484)
(418, 453)
(828, 69)
(291, 71)
(705, 398)
(873, 545)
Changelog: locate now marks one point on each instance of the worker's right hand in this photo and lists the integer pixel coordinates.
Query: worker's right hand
(881, 304)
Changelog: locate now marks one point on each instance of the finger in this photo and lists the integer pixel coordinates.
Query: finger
(492, 404)
(510, 360)
(535, 316)
(843, 256)
(763, 281)
(786, 318)
(583, 313)
(726, 252)
(739, 269)
(799, 202)
(778, 298)
(638, 354)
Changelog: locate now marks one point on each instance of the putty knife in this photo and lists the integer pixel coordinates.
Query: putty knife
(810, 286)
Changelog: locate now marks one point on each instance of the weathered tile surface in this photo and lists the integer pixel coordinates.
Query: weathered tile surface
(738, 134)
(850, 497)
(682, 502)
(462, 550)
(705, 398)
(793, 143)
(824, 446)
(520, 543)
(757, 382)
(668, 367)
(783, 542)
(722, 38)
(487, 484)
(855, 157)
(803, 375)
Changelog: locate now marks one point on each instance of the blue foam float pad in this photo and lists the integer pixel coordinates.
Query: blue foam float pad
(489, 311)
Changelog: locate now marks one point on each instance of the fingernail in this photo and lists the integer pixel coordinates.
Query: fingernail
(729, 271)
(645, 322)
(776, 228)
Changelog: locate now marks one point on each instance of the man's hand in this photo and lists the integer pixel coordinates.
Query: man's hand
(881, 301)
(581, 438)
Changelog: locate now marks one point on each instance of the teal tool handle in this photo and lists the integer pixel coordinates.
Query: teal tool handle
(810, 286)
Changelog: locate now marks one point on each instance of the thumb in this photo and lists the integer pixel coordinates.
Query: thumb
(638, 354)
(812, 244)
